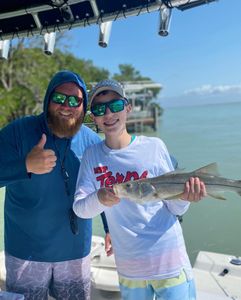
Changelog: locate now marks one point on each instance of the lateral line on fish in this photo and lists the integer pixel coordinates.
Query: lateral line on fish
(207, 184)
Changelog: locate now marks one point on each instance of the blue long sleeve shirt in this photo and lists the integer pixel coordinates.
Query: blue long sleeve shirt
(36, 216)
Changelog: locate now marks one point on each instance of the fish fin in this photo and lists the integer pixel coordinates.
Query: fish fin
(216, 196)
(210, 169)
(174, 172)
(178, 196)
(180, 170)
(239, 192)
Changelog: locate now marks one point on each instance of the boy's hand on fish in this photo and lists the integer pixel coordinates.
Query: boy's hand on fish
(194, 190)
(107, 197)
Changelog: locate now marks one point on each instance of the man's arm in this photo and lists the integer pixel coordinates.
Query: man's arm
(12, 164)
(15, 166)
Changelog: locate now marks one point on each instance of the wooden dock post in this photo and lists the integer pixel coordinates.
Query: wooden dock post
(156, 119)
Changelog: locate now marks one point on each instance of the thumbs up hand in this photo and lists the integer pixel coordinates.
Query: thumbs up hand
(40, 160)
(42, 141)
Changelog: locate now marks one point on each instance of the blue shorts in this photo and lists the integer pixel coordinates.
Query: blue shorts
(166, 289)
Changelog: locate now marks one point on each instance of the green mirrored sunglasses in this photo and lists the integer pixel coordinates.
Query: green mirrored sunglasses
(116, 105)
(59, 98)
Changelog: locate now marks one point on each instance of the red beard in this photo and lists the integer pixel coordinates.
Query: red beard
(62, 127)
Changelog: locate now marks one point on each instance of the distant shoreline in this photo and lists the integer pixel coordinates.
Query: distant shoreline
(178, 105)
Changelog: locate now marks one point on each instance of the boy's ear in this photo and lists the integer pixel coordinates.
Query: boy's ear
(128, 108)
(92, 117)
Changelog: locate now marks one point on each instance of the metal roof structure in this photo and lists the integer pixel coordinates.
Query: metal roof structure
(29, 17)
(26, 18)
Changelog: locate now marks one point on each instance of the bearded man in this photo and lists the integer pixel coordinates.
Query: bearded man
(47, 247)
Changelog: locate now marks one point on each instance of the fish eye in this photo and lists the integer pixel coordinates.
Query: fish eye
(128, 184)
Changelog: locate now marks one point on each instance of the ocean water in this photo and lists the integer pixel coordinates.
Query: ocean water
(197, 136)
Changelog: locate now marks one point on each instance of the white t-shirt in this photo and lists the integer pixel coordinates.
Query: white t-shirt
(147, 239)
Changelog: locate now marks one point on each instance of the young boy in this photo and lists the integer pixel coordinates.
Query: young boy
(147, 239)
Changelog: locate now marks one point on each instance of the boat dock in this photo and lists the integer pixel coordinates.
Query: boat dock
(145, 112)
(137, 121)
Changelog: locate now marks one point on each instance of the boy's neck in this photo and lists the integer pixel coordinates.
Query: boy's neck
(118, 142)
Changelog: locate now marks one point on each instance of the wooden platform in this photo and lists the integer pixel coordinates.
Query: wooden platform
(137, 124)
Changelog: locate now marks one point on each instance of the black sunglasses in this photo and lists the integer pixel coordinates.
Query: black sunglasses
(59, 98)
(116, 105)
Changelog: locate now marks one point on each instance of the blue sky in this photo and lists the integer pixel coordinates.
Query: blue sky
(200, 59)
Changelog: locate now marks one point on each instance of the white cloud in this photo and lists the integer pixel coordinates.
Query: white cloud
(209, 89)
(206, 94)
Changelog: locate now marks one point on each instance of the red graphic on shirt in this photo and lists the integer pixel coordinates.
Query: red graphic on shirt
(107, 179)
(99, 170)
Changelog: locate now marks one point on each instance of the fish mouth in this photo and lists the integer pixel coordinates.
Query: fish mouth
(115, 189)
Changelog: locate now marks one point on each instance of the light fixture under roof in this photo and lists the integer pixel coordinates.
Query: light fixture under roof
(104, 36)
(49, 43)
(165, 18)
(4, 49)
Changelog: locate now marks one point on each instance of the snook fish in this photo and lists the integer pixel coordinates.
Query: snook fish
(171, 185)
